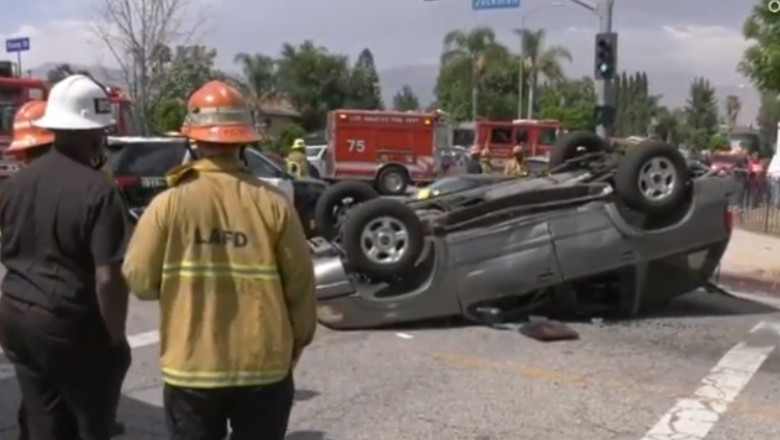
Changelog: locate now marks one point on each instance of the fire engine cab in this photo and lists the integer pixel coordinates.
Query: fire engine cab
(536, 136)
(388, 149)
(15, 91)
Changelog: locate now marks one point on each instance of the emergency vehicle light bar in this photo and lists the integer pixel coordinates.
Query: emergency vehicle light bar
(535, 121)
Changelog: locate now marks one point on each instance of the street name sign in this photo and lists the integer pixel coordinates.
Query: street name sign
(481, 5)
(21, 44)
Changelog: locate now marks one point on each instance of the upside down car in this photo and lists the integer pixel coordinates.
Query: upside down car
(617, 232)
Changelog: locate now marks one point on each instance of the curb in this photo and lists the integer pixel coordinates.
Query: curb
(747, 282)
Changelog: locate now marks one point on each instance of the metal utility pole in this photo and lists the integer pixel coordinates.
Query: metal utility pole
(604, 91)
(520, 82)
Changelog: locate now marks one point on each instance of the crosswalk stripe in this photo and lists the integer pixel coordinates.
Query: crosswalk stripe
(693, 418)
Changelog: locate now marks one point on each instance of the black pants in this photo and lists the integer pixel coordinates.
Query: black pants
(123, 360)
(70, 387)
(260, 412)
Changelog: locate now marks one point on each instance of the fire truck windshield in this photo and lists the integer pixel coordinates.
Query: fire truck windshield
(7, 113)
(548, 135)
(9, 103)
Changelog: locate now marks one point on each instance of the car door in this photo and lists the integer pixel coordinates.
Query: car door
(265, 170)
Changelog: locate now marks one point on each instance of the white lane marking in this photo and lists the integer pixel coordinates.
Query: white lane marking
(135, 341)
(404, 335)
(693, 418)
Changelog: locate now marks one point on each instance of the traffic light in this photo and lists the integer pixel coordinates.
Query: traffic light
(606, 55)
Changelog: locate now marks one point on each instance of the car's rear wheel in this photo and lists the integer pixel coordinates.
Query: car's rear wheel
(574, 144)
(334, 203)
(383, 239)
(653, 178)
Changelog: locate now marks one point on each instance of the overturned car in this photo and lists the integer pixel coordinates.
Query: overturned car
(601, 230)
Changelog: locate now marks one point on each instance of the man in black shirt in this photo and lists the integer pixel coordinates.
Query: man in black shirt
(64, 304)
(473, 165)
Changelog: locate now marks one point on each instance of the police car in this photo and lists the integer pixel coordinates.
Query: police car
(139, 165)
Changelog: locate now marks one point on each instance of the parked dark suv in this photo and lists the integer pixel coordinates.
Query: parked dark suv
(139, 165)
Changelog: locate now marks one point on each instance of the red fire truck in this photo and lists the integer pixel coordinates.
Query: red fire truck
(15, 91)
(500, 137)
(386, 148)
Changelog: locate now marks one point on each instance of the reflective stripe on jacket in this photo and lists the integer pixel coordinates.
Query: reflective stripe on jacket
(226, 257)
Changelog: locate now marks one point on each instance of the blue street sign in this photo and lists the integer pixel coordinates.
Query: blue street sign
(481, 5)
(21, 44)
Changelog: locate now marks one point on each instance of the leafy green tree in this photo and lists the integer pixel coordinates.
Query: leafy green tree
(701, 114)
(364, 89)
(669, 125)
(177, 74)
(761, 60)
(168, 115)
(465, 56)
(768, 117)
(258, 78)
(718, 141)
(498, 86)
(570, 102)
(539, 60)
(406, 99)
(637, 109)
(733, 107)
(314, 81)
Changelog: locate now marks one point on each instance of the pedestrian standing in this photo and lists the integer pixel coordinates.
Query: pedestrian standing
(64, 305)
(473, 165)
(226, 257)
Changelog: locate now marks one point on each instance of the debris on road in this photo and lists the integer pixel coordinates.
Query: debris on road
(549, 331)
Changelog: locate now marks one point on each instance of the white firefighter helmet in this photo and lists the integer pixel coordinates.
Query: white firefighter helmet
(77, 103)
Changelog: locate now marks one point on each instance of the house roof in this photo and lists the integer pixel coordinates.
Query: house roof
(279, 107)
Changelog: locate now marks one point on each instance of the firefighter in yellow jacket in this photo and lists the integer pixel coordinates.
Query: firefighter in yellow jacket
(515, 167)
(297, 163)
(226, 257)
(485, 161)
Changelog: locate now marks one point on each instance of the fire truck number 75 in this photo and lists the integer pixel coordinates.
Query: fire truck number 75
(356, 145)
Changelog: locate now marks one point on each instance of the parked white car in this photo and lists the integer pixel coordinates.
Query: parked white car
(315, 154)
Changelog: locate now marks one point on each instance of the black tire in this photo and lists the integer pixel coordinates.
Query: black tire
(325, 216)
(361, 218)
(632, 166)
(573, 144)
(383, 179)
(307, 220)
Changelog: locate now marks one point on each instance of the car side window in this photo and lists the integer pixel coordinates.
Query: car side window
(262, 167)
(142, 159)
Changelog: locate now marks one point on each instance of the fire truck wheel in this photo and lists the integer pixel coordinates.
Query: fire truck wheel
(383, 239)
(573, 144)
(335, 201)
(392, 181)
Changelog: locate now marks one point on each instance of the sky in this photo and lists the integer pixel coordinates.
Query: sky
(692, 37)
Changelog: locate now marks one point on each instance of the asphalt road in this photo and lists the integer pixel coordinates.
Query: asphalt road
(474, 383)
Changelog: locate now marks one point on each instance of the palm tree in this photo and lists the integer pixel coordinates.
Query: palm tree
(258, 79)
(733, 107)
(472, 47)
(540, 60)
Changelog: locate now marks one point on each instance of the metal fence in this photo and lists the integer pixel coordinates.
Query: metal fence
(756, 204)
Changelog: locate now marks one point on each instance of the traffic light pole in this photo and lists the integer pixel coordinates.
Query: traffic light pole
(604, 91)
